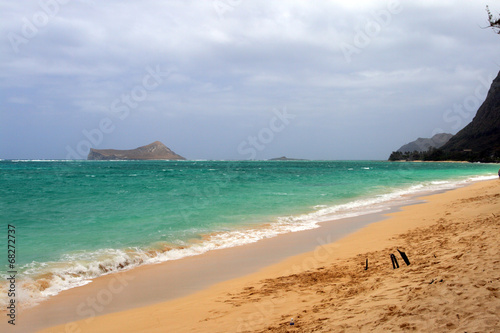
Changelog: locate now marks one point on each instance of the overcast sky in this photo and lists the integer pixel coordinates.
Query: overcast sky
(239, 79)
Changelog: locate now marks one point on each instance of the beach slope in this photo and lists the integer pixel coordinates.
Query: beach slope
(451, 284)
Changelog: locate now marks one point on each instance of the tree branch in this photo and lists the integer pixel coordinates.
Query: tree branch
(494, 21)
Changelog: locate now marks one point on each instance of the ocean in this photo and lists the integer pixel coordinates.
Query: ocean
(77, 220)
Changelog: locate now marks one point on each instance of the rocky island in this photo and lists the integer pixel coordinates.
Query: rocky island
(284, 158)
(153, 151)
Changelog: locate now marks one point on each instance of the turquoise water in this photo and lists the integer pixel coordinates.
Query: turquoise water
(76, 220)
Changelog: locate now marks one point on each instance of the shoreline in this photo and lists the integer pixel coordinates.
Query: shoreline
(106, 285)
(188, 275)
(75, 277)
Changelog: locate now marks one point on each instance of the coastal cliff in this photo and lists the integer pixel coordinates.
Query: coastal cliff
(479, 141)
(482, 135)
(153, 151)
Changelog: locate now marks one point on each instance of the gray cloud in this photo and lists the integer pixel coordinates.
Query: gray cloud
(232, 63)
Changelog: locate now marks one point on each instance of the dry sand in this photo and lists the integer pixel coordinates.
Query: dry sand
(452, 283)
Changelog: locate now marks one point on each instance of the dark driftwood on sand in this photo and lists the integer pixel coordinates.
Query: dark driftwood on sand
(394, 261)
(405, 258)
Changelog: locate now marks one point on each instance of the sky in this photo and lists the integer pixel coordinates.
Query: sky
(239, 79)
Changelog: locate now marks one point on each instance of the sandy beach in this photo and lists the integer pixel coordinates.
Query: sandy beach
(233, 166)
(452, 282)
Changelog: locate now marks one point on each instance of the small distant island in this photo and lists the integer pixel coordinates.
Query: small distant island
(284, 158)
(153, 151)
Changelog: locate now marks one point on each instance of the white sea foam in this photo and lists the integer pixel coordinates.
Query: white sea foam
(480, 178)
(41, 280)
